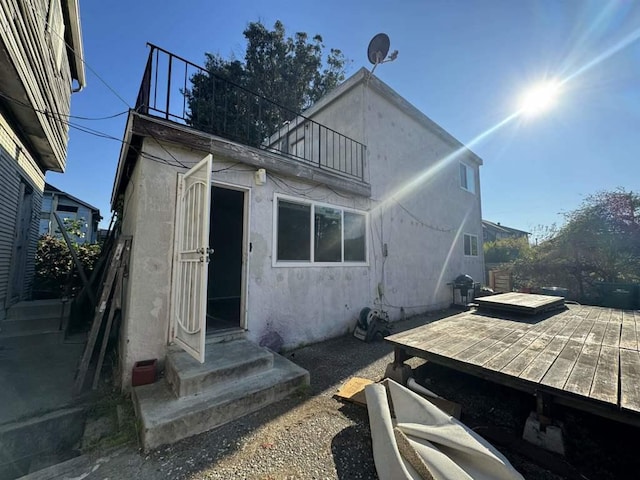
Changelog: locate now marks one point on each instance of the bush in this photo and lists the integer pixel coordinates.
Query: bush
(54, 264)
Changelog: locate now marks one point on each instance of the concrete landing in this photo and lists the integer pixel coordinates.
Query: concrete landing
(40, 421)
(224, 362)
(244, 388)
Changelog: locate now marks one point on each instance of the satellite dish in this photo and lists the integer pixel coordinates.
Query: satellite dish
(378, 48)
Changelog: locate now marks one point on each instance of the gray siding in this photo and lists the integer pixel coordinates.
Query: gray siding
(16, 165)
(37, 72)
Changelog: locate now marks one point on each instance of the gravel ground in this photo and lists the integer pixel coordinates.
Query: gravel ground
(313, 436)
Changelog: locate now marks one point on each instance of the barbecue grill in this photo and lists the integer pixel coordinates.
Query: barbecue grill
(465, 285)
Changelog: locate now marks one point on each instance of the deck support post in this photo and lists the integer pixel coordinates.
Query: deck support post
(540, 430)
(543, 409)
(398, 371)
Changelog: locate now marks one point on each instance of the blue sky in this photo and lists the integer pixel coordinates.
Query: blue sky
(464, 63)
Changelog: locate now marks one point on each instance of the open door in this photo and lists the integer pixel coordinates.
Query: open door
(191, 258)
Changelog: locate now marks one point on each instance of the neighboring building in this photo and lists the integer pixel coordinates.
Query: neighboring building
(494, 231)
(331, 227)
(40, 66)
(69, 208)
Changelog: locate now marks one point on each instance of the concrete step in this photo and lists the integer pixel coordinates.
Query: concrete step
(30, 340)
(224, 362)
(38, 308)
(25, 442)
(166, 419)
(11, 327)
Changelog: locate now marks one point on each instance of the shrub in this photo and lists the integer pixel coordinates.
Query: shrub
(54, 264)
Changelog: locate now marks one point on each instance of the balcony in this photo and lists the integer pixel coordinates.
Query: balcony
(180, 91)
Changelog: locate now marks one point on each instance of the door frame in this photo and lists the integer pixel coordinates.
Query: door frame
(246, 217)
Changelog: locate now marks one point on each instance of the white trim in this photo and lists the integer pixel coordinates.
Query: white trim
(468, 168)
(246, 213)
(311, 262)
(471, 235)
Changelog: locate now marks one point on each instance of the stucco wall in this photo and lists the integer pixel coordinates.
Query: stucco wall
(302, 304)
(419, 209)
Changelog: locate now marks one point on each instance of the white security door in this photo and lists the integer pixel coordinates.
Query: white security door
(191, 258)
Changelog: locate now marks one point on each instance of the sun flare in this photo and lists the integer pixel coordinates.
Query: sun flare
(539, 98)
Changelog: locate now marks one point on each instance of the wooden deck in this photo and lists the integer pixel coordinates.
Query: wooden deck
(585, 357)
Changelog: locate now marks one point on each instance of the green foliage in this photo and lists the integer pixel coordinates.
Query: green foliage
(600, 242)
(505, 250)
(293, 72)
(54, 264)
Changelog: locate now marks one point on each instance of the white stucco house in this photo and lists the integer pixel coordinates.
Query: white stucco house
(362, 201)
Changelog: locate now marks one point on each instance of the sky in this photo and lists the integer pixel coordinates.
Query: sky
(463, 63)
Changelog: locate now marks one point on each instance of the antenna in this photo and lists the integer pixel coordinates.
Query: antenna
(378, 49)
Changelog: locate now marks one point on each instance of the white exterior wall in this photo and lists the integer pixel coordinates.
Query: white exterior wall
(422, 229)
(422, 226)
(303, 304)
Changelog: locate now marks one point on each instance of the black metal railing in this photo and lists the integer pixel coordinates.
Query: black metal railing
(181, 91)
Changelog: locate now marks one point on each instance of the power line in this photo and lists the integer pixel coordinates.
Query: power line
(55, 115)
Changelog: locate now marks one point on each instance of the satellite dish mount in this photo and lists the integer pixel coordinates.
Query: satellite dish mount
(378, 50)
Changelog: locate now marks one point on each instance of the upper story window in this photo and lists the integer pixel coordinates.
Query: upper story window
(467, 178)
(312, 233)
(470, 245)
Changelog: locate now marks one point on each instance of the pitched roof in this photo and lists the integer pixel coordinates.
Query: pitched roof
(503, 229)
(363, 75)
(50, 188)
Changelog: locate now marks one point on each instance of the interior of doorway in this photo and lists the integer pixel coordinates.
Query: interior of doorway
(226, 232)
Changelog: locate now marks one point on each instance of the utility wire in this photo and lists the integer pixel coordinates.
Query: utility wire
(104, 82)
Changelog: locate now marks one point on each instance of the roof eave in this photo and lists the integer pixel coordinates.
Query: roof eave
(76, 60)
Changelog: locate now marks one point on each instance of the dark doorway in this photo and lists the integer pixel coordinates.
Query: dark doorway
(224, 291)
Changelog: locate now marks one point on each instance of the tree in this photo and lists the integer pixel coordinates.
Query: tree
(505, 250)
(280, 77)
(600, 242)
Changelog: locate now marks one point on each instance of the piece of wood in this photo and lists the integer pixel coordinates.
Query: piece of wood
(74, 256)
(605, 380)
(581, 377)
(629, 380)
(98, 315)
(113, 307)
(628, 338)
(559, 371)
(353, 390)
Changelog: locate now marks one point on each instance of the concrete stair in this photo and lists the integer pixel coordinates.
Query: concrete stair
(236, 379)
(34, 318)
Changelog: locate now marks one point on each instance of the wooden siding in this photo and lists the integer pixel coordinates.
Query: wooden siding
(16, 165)
(31, 48)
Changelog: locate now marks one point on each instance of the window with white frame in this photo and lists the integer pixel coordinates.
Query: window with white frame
(312, 233)
(470, 245)
(467, 178)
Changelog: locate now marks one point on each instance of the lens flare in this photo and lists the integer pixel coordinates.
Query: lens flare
(540, 98)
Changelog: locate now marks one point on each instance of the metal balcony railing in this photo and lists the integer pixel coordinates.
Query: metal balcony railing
(181, 91)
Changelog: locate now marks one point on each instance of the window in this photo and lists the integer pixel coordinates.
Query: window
(467, 178)
(310, 233)
(470, 245)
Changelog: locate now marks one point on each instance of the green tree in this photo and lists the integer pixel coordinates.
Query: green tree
(288, 74)
(505, 250)
(600, 242)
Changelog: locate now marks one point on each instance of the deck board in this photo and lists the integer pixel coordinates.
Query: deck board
(629, 384)
(585, 356)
